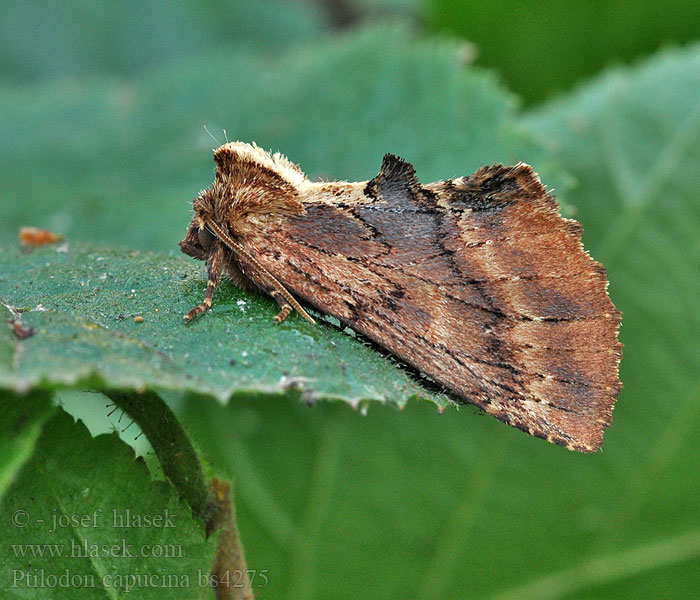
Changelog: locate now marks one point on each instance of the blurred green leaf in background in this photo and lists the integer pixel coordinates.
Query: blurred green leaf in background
(541, 47)
(60, 475)
(101, 139)
(62, 39)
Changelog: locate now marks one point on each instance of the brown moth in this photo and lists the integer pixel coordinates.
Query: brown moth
(477, 282)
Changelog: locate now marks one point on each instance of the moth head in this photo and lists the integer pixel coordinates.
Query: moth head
(199, 239)
(250, 186)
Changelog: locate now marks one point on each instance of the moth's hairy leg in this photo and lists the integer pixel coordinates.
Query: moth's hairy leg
(276, 290)
(214, 264)
(285, 306)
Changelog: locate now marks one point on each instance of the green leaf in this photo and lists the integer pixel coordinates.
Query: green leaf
(542, 47)
(72, 39)
(84, 519)
(20, 427)
(82, 305)
(116, 162)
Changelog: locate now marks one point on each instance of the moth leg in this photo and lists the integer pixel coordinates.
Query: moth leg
(276, 290)
(268, 284)
(285, 306)
(214, 264)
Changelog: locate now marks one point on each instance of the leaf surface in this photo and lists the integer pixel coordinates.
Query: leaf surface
(82, 304)
(20, 427)
(85, 519)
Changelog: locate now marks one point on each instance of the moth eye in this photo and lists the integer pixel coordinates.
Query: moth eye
(205, 237)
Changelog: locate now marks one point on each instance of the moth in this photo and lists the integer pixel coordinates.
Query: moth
(477, 282)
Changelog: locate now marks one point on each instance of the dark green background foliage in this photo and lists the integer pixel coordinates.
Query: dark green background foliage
(101, 114)
(541, 46)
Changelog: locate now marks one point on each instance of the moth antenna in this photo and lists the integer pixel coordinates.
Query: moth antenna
(225, 136)
(211, 136)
